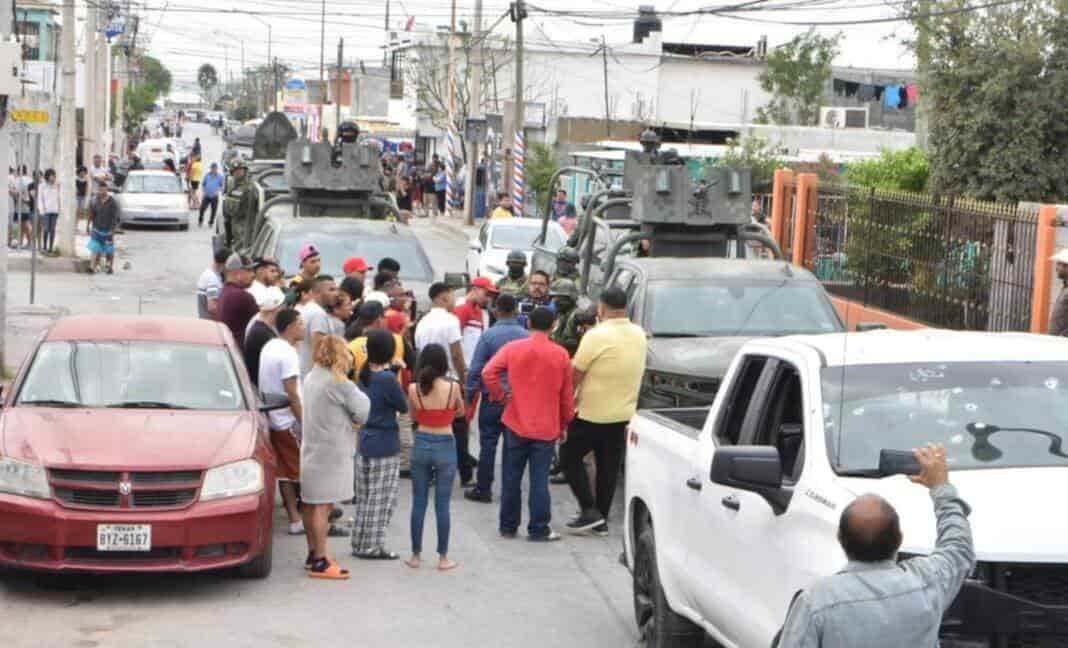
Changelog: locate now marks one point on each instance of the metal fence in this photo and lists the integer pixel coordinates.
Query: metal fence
(948, 262)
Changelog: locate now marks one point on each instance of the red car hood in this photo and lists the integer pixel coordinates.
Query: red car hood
(127, 439)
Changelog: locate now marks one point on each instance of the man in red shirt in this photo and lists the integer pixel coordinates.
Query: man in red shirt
(472, 315)
(540, 403)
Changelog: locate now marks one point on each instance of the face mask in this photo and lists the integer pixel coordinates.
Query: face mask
(515, 271)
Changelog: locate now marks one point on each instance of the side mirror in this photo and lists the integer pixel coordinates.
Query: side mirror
(272, 402)
(457, 280)
(757, 469)
(474, 245)
(864, 327)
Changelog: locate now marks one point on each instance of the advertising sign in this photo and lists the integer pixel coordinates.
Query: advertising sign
(295, 96)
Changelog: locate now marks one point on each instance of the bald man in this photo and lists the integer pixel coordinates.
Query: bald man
(875, 601)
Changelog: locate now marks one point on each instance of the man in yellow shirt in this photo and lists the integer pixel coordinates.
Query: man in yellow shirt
(372, 317)
(609, 364)
(196, 172)
(504, 206)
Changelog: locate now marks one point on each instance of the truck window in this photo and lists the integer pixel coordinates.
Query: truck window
(729, 427)
(624, 279)
(781, 423)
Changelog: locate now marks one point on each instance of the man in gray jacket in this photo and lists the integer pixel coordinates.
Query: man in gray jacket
(875, 601)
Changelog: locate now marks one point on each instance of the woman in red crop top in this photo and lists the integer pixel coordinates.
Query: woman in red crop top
(434, 402)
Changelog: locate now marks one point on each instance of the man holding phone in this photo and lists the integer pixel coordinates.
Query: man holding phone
(876, 601)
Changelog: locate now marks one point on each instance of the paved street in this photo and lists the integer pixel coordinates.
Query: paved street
(505, 593)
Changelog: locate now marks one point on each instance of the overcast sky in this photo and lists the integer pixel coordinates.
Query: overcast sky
(190, 32)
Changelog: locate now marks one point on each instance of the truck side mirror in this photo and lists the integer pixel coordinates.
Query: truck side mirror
(757, 469)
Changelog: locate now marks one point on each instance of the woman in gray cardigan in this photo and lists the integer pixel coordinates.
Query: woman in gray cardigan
(332, 404)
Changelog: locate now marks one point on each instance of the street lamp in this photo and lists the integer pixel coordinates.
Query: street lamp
(274, 90)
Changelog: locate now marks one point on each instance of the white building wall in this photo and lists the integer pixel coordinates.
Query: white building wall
(721, 91)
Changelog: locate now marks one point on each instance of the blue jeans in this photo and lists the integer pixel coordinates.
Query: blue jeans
(48, 230)
(490, 429)
(433, 455)
(518, 453)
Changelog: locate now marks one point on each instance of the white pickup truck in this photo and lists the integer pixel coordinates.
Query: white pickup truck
(730, 510)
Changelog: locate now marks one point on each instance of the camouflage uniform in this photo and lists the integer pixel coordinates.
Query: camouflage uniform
(239, 210)
(565, 333)
(555, 285)
(516, 287)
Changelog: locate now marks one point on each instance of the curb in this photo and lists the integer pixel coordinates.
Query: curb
(49, 265)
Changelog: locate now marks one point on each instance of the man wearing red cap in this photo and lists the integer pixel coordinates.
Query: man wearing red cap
(356, 267)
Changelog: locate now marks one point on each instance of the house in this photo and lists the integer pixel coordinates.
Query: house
(37, 29)
(870, 98)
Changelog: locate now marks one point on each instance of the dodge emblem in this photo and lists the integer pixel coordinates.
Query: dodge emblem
(124, 488)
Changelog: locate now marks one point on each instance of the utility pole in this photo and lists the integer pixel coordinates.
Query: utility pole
(322, 66)
(68, 133)
(7, 17)
(89, 122)
(474, 147)
(385, 48)
(274, 85)
(519, 12)
(603, 49)
(450, 132)
(337, 99)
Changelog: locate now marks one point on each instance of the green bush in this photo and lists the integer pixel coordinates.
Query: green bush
(752, 153)
(907, 169)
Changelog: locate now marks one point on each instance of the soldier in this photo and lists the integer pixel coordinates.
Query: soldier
(565, 294)
(567, 261)
(238, 206)
(515, 283)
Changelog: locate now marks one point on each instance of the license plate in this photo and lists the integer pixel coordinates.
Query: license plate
(123, 537)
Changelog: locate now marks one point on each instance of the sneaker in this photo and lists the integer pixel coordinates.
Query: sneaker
(551, 536)
(601, 530)
(476, 495)
(508, 535)
(559, 478)
(585, 522)
(296, 528)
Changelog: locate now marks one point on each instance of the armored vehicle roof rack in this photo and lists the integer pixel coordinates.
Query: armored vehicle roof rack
(273, 135)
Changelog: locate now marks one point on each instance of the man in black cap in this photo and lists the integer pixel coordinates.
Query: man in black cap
(236, 304)
(267, 273)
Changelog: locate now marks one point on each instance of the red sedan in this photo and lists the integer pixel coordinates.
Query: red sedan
(135, 444)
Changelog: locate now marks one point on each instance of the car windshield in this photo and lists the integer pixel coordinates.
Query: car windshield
(153, 375)
(988, 415)
(154, 184)
(337, 245)
(726, 308)
(511, 237)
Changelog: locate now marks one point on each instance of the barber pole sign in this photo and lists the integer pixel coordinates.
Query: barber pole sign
(518, 182)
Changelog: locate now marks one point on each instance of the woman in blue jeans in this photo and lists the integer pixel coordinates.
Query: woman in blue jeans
(434, 401)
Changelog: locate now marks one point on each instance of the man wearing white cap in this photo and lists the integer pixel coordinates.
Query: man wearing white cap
(261, 329)
(1058, 320)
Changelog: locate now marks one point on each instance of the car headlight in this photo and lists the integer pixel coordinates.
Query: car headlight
(23, 478)
(496, 269)
(238, 478)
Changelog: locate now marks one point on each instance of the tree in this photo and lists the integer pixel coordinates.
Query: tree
(208, 80)
(907, 170)
(540, 167)
(796, 75)
(152, 81)
(997, 98)
(753, 153)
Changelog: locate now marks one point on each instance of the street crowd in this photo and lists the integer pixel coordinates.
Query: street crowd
(376, 394)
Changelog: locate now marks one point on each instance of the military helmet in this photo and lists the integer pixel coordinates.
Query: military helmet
(516, 256)
(568, 254)
(238, 163)
(585, 312)
(348, 131)
(564, 288)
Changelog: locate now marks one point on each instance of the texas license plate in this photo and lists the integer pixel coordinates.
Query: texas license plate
(123, 537)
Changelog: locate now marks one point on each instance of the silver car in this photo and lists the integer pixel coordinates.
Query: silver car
(154, 198)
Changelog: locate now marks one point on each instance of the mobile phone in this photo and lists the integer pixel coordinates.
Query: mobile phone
(898, 462)
(526, 308)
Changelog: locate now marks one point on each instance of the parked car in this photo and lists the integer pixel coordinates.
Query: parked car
(730, 510)
(497, 237)
(135, 443)
(154, 198)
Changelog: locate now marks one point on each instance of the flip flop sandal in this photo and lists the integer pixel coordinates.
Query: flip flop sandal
(330, 571)
(310, 562)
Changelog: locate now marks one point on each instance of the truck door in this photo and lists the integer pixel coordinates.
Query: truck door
(760, 553)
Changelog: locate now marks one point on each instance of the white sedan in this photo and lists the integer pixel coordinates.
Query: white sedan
(488, 252)
(154, 198)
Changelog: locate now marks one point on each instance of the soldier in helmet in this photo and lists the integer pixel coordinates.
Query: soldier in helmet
(565, 295)
(567, 261)
(515, 282)
(347, 133)
(238, 205)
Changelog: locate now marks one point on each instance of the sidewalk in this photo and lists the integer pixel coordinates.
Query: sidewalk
(21, 260)
(451, 226)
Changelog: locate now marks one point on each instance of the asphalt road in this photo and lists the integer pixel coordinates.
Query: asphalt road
(506, 593)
